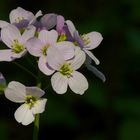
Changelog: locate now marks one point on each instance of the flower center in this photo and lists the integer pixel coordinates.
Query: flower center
(75, 43)
(44, 49)
(22, 30)
(85, 39)
(66, 70)
(19, 19)
(17, 47)
(30, 100)
(62, 37)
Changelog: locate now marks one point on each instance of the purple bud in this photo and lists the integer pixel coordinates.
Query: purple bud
(2, 82)
(60, 24)
(49, 21)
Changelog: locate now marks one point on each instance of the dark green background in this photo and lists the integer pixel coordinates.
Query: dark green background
(107, 111)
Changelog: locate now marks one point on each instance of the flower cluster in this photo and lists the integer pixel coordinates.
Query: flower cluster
(60, 52)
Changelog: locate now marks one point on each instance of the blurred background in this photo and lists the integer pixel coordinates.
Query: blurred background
(107, 111)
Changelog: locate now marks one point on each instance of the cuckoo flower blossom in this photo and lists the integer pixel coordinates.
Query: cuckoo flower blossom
(21, 18)
(66, 72)
(31, 99)
(39, 46)
(87, 42)
(12, 37)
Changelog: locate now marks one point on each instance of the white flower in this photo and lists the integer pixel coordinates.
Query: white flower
(18, 15)
(16, 41)
(87, 41)
(38, 47)
(91, 41)
(66, 72)
(30, 97)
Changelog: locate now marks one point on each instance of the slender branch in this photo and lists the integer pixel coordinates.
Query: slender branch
(36, 127)
(23, 68)
(36, 122)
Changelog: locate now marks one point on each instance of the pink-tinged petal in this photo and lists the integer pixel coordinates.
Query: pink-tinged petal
(24, 115)
(3, 23)
(9, 34)
(19, 14)
(55, 58)
(90, 54)
(48, 37)
(79, 59)
(38, 14)
(78, 83)
(28, 34)
(39, 106)
(60, 23)
(44, 67)
(6, 55)
(15, 92)
(34, 46)
(59, 83)
(34, 91)
(67, 48)
(71, 27)
(95, 39)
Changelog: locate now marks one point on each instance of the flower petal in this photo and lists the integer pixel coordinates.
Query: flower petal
(39, 106)
(28, 33)
(9, 34)
(90, 54)
(34, 91)
(55, 58)
(79, 59)
(67, 48)
(48, 37)
(38, 14)
(24, 115)
(6, 55)
(34, 46)
(71, 27)
(78, 83)
(95, 39)
(59, 83)
(78, 39)
(44, 67)
(3, 23)
(15, 92)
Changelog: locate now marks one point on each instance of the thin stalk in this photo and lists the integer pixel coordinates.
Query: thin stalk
(25, 69)
(36, 127)
(36, 122)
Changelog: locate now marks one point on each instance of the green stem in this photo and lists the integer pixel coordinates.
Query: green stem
(36, 122)
(36, 127)
(23, 68)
